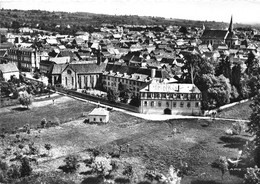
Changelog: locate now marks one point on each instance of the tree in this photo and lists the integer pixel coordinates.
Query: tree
(252, 176)
(251, 63)
(254, 126)
(215, 90)
(224, 68)
(25, 99)
(194, 67)
(112, 95)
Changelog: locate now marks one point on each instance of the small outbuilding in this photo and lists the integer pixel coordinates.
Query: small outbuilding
(99, 115)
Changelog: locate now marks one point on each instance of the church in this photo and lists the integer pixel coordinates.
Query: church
(220, 36)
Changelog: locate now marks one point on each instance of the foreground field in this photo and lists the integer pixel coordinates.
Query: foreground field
(63, 110)
(146, 145)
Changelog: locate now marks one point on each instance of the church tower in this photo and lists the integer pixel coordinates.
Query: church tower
(231, 38)
(230, 28)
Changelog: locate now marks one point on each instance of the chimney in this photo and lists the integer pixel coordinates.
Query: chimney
(153, 72)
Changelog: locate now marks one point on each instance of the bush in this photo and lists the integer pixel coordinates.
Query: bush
(33, 150)
(252, 176)
(26, 168)
(3, 166)
(102, 166)
(14, 172)
(128, 171)
(43, 123)
(71, 164)
(55, 122)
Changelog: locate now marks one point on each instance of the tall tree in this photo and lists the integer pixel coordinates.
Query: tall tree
(254, 125)
(215, 90)
(194, 67)
(252, 64)
(224, 67)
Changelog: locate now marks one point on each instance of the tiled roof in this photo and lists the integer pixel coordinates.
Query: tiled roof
(99, 111)
(57, 69)
(178, 88)
(210, 34)
(88, 68)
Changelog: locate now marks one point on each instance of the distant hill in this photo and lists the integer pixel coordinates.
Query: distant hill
(81, 21)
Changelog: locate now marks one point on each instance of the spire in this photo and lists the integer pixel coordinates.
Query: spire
(230, 29)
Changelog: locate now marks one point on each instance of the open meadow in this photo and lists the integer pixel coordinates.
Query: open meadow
(146, 145)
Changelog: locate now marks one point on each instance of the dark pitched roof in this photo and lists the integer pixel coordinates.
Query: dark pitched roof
(117, 67)
(87, 68)
(211, 34)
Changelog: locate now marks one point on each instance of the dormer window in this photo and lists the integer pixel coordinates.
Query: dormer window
(69, 72)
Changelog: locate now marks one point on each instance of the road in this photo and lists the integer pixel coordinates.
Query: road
(155, 117)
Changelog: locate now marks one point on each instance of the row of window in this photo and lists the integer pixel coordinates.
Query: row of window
(20, 52)
(167, 104)
(114, 84)
(181, 96)
(100, 120)
(131, 82)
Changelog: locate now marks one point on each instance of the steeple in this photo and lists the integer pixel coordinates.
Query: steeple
(230, 29)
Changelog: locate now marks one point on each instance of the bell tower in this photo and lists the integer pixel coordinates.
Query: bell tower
(230, 28)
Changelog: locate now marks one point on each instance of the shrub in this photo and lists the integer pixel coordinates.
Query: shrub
(71, 164)
(3, 166)
(48, 147)
(221, 164)
(252, 176)
(102, 166)
(14, 172)
(128, 171)
(33, 150)
(237, 128)
(43, 123)
(249, 152)
(25, 168)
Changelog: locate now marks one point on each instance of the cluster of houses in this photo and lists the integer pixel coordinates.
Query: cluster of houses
(147, 62)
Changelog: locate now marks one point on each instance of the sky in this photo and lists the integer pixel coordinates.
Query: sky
(243, 11)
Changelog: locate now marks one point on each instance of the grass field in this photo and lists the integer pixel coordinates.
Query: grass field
(151, 143)
(240, 111)
(61, 110)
